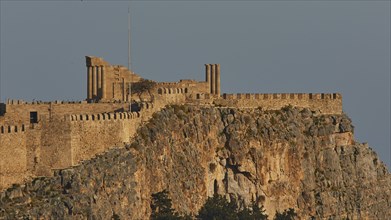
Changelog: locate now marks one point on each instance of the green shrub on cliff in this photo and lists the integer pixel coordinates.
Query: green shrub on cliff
(288, 214)
(218, 208)
(256, 213)
(161, 207)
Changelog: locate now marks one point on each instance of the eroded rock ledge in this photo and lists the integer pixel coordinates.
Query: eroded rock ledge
(292, 158)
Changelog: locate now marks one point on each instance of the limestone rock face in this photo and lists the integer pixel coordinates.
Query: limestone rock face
(292, 158)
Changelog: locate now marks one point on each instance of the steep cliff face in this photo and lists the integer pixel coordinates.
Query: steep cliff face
(293, 158)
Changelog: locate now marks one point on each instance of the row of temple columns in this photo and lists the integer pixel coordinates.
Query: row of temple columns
(96, 82)
(212, 75)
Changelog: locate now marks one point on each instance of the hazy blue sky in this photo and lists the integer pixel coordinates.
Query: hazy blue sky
(262, 46)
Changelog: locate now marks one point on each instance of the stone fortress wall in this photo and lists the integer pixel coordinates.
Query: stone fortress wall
(37, 137)
(35, 149)
(325, 103)
(18, 111)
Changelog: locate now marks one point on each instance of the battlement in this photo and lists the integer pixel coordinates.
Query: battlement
(325, 103)
(172, 90)
(12, 129)
(105, 116)
(18, 111)
(279, 96)
(22, 102)
(168, 84)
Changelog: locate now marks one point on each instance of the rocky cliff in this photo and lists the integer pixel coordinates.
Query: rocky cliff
(292, 158)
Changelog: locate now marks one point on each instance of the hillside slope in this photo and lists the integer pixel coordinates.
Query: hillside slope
(291, 158)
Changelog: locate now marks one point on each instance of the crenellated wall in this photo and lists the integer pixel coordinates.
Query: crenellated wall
(18, 111)
(190, 87)
(57, 144)
(93, 134)
(326, 103)
(64, 139)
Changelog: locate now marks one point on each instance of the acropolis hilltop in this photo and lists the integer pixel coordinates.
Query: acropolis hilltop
(39, 137)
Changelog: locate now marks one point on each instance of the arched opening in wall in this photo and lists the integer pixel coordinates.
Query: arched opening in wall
(198, 96)
(81, 117)
(9, 129)
(2, 129)
(87, 117)
(115, 116)
(186, 90)
(16, 128)
(160, 91)
(23, 128)
(93, 117)
(169, 91)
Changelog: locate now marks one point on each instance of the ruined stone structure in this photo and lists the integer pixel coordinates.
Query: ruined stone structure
(37, 137)
(107, 83)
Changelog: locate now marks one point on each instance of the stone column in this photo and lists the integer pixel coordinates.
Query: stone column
(207, 75)
(99, 82)
(103, 86)
(94, 83)
(213, 78)
(217, 89)
(89, 82)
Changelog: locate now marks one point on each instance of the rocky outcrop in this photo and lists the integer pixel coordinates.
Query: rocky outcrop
(292, 158)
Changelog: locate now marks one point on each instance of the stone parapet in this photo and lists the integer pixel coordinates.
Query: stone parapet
(7, 129)
(325, 103)
(105, 116)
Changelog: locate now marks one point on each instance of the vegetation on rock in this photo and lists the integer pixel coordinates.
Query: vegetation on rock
(142, 86)
(218, 208)
(288, 214)
(161, 207)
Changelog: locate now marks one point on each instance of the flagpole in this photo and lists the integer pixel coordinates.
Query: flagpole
(129, 63)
